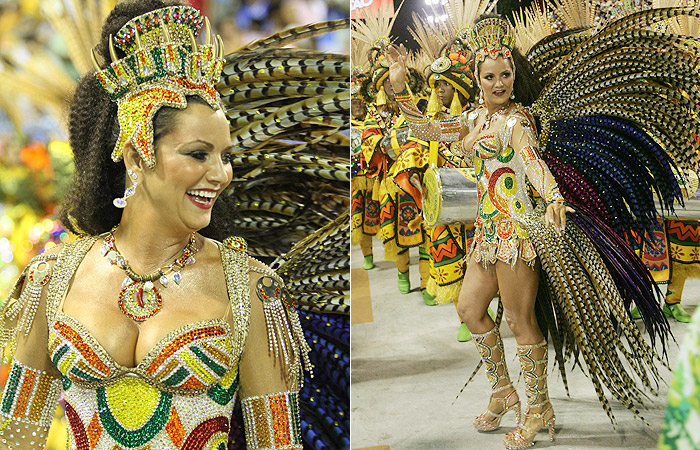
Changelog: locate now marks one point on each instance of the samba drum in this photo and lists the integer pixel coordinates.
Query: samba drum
(449, 196)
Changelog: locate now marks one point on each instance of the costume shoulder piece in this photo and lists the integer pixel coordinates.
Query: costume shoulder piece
(285, 335)
(19, 310)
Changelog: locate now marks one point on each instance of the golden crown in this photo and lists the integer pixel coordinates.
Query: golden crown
(489, 37)
(159, 45)
(163, 65)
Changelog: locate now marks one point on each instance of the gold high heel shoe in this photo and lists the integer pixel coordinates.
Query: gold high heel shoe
(490, 347)
(533, 363)
(489, 420)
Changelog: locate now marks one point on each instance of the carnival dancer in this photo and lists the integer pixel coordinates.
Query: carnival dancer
(385, 133)
(519, 243)
(453, 93)
(365, 209)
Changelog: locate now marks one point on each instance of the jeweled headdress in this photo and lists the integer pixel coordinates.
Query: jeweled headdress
(163, 65)
(489, 37)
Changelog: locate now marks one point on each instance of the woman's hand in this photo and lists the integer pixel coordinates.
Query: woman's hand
(556, 215)
(397, 67)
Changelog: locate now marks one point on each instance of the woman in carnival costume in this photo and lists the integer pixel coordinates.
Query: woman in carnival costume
(385, 134)
(148, 327)
(571, 279)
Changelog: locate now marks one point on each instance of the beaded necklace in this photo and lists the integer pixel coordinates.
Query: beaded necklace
(139, 298)
(499, 112)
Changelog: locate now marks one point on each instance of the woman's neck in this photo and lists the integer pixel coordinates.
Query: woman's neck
(146, 245)
(493, 109)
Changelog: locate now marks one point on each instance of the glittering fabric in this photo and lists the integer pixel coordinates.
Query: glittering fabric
(179, 396)
(502, 179)
(271, 421)
(30, 396)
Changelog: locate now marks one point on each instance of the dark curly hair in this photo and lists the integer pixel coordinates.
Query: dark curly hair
(526, 86)
(93, 129)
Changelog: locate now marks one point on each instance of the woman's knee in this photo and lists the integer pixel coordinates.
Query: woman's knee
(521, 322)
(470, 313)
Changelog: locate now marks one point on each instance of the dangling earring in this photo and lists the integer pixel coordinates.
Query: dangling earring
(512, 95)
(481, 97)
(120, 202)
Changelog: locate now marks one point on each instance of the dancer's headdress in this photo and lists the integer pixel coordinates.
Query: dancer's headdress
(491, 37)
(375, 29)
(163, 65)
(449, 57)
(445, 65)
(360, 68)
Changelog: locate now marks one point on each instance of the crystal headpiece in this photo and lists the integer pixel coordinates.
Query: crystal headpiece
(163, 65)
(489, 37)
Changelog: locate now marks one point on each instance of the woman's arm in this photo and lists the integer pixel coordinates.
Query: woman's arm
(33, 386)
(270, 367)
(447, 130)
(524, 144)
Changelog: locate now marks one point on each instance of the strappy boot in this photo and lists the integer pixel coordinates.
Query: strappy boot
(503, 395)
(539, 413)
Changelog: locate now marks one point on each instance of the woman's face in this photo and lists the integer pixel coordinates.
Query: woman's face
(193, 166)
(445, 92)
(496, 79)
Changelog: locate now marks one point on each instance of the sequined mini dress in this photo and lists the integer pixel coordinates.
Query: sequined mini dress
(504, 177)
(180, 396)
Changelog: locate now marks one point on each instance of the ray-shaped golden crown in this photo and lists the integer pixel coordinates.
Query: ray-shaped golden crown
(161, 45)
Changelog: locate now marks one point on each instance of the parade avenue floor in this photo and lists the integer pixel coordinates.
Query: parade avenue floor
(407, 368)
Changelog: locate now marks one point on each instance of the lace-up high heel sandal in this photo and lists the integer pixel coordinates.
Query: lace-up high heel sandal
(539, 413)
(490, 348)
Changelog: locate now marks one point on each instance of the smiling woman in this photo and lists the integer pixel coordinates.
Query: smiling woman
(149, 326)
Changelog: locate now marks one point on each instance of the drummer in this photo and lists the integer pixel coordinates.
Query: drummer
(385, 134)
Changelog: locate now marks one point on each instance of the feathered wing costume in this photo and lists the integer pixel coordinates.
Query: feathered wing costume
(289, 111)
(618, 114)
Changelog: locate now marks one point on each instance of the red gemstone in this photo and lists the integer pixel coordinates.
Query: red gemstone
(139, 297)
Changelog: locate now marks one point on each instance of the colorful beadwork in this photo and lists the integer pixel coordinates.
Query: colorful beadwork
(179, 396)
(285, 335)
(272, 421)
(163, 65)
(30, 396)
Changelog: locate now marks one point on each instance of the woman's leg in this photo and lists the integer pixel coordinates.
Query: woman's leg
(518, 286)
(478, 289)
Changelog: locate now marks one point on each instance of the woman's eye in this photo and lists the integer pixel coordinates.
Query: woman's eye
(506, 74)
(199, 155)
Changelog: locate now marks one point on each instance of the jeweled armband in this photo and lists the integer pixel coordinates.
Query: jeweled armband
(272, 421)
(30, 396)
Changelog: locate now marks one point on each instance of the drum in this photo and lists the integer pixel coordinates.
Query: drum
(449, 196)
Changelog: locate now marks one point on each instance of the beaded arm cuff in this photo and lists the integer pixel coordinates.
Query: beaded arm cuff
(446, 130)
(30, 398)
(17, 314)
(272, 421)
